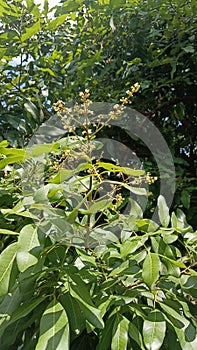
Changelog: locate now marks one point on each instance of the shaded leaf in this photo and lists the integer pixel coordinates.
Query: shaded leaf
(75, 315)
(106, 336)
(79, 291)
(135, 334)
(185, 331)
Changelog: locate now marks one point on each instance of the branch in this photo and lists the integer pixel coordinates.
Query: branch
(167, 104)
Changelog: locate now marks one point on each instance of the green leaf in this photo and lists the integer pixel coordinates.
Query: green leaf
(189, 48)
(120, 333)
(154, 329)
(32, 109)
(163, 211)
(135, 334)
(54, 328)
(135, 209)
(106, 335)
(72, 216)
(185, 198)
(185, 331)
(79, 291)
(13, 211)
(23, 310)
(6, 262)
(100, 205)
(46, 7)
(61, 176)
(4, 143)
(12, 151)
(40, 149)
(150, 270)
(118, 169)
(174, 262)
(29, 32)
(135, 190)
(75, 315)
(28, 239)
(48, 70)
(117, 3)
(130, 246)
(11, 160)
(57, 21)
(169, 238)
(8, 232)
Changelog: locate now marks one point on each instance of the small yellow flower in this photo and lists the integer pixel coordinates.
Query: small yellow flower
(124, 100)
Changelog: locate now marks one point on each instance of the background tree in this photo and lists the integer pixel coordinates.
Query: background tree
(104, 46)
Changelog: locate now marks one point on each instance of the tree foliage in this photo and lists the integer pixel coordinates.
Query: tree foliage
(104, 46)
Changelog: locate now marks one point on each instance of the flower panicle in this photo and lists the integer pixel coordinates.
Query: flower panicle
(133, 90)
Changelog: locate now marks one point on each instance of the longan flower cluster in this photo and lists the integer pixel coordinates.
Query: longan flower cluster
(85, 96)
(150, 179)
(60, 108)
(147, 178)
(133, 90)
(65, 114)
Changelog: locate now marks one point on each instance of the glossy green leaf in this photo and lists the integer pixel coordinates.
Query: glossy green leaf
(136, 210)
(120, 333)
(7, 258)
(38, 150)
(151, 268)
(163, 211)
(12, 152)
(72, 216)
(4, 143)
(54, 328)
(28, 240)
(154, 329)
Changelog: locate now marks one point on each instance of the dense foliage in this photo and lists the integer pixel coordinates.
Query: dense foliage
(104, 46)
(82, 263)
